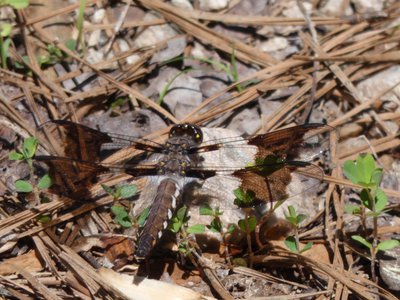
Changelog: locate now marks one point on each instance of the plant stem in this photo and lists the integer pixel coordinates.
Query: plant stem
(363, 219)
(79, 24)
(248, 236)
(374, 235)
(224, 243)
(297, 239)
(2, 54)
(35, 190)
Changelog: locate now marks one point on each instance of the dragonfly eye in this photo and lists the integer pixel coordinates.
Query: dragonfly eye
(187, 130)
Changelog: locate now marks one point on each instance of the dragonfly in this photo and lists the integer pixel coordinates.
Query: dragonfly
(271, 162)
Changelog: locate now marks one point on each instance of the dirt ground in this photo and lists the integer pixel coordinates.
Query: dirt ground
(315, 83)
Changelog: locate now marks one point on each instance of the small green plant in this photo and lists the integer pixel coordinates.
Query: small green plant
(79, 24)
(5, 41)
(120, 192)
(6, 28)
(121, 216)
(292, 242)
(178, 220)
(364, 172)
(246, 200)
(382, 246)
(164, 91)
(17, 4)
(141, 220)
(117, 104)
(23, 186)
(179, 224)
(234, 71)
(27, 153)
(54, 55)
(216, 223)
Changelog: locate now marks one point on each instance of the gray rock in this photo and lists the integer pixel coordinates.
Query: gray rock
(246, 122)
(134, 124)
(174, 48)
(185, 4)
(334, 8)
(376, 84)
(154, 34)
(368, 6)
(389, 268)
(209, 5)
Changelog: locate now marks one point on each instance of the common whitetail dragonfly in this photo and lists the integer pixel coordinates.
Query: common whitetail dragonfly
(275, 158)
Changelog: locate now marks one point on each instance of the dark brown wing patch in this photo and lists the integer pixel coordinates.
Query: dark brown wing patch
(78, 142)
(72, 177)
(286, 143)
(266, 188)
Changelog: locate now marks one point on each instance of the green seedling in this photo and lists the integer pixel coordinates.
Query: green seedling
(293, 246)
(71, 44)
(143, 217)
(23, 186)
(116, 105)
(179, 220)
(216, 224)
(28, 151)
(164, 91)
(248, 224)
(178, 224)
(363, 171)
(244, 198)
(23, 66)
(121, 216)
(17, 4)
(5, 41)
(292, 242)
(54, 55)
(196, 229)
(79, 25)
(6, 28)
(234, 71)
(118, 102)
(120, 192)
(44, 219)
(382, 246)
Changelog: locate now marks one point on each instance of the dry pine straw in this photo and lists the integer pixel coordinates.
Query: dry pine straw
(349, 52)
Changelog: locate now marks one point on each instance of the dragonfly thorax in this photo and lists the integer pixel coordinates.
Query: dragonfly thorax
(174, 165)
